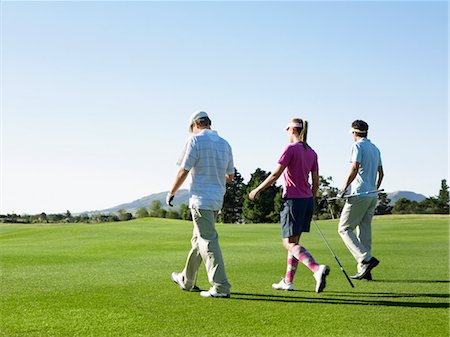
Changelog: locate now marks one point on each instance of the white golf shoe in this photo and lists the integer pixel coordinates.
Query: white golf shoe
(282, 285)
(214, 293)
(320, 275)
(176, 277)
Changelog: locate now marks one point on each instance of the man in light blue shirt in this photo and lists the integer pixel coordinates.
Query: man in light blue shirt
(209, 160)
(365, 175)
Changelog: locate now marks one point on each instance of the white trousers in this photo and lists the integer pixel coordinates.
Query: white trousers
(205, 247)
(355, 227)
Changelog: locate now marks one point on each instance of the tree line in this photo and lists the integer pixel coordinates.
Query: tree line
(432, 205)
(237, 208)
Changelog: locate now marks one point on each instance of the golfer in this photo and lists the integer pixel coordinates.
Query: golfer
(297, 163)
(209, 160)
(355, 224)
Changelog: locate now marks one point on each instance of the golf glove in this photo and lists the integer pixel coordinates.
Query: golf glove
(169, 199)
(340, 195)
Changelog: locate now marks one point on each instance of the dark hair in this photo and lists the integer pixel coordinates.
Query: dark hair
(203, 122)
(361, 126)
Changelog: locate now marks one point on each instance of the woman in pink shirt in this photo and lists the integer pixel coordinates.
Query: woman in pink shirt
(297, 163)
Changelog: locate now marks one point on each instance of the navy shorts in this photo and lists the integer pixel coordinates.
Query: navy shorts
(295, 216)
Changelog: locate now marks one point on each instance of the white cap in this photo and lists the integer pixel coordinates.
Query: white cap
(195, 117)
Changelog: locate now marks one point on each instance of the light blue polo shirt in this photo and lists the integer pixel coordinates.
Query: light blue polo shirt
(368, 156)
(209, 158)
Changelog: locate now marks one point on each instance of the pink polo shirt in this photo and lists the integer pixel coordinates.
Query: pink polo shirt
(299, 163)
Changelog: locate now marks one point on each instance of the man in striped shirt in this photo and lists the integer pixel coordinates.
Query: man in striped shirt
(209, 161)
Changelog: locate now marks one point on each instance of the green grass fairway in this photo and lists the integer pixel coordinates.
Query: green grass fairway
(113, 279)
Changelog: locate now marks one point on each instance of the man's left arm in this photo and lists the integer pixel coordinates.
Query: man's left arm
(230, 168)
(380, 176)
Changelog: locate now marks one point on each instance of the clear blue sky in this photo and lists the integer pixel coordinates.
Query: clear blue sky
(96, 96)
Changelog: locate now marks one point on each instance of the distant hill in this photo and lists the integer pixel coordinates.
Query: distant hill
(394, 196)
(181, 197)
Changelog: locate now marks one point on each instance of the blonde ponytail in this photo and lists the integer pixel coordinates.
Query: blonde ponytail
(303, 131)
(304, 134)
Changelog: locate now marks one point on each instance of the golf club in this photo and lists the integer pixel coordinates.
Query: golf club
(355, 195)
(334, 255)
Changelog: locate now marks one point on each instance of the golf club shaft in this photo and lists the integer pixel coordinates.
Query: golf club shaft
(334, 255)
(355, 195)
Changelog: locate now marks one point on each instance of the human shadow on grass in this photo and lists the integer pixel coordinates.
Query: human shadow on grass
(411, 281)
(391, 295)
(324, 299)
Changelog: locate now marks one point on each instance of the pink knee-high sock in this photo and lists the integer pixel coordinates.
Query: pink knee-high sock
(301, 254)
(292, 264)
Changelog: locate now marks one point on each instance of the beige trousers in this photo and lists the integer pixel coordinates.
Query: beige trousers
(355, 227)
(205, 247)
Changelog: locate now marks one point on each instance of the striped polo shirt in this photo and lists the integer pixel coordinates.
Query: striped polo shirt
(209, 158)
